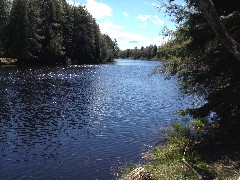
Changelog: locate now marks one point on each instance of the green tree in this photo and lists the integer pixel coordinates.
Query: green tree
(149, 52)
(52, 32)
(86, 37)
(210, 14)
(4, 16)
(204, 66)
(33, 39)
(154, 51)
(128, 53)
(116, 48)
(107, 48)
(17, 30)
(68, 32)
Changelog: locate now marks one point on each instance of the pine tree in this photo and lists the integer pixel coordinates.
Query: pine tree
(4, 16)
(97, 37)
(68, 29)
(34, 47)
(17, 30)
(52, 31)
(154, 51)
(83, 36)
(107, 48)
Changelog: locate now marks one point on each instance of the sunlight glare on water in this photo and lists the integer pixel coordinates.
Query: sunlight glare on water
(81, 121)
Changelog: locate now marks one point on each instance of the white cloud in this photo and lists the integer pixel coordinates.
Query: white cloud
(125, 14)
(125, 39)
(98, 10)
(108, 26)
(155, 20)
(71, 2)
(143, 18)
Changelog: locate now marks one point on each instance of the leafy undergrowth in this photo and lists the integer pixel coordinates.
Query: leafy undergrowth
(185, 156)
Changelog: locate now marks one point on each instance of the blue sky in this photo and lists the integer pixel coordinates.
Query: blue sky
(133, 23)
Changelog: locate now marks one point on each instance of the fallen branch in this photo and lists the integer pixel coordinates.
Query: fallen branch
(189, 166)
(192, 169)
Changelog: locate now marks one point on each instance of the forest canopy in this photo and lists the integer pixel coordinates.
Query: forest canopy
(51, 32)
(149, 52)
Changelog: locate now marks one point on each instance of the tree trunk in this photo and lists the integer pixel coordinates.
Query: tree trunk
(206, 7)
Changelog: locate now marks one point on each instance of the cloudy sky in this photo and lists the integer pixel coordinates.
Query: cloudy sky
(133, 23)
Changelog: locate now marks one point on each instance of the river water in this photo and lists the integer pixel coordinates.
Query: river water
(81, 122)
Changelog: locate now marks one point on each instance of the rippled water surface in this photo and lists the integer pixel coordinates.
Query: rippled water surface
(81, 122)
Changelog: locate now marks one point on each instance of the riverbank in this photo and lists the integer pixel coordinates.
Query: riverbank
(152, 59)
(185, 156)
(7, 61)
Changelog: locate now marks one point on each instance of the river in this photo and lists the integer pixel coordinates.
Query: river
(82, 122)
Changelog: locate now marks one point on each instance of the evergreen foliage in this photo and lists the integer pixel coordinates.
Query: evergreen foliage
(4, 16)
(149, 52)
(204, 65)
(109, 48)
(51, 32)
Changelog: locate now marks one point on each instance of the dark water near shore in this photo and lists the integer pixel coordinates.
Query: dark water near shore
(81, 122)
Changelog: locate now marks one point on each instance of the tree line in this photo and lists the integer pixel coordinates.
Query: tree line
(51, 32)
(204, 54)
(149, 52)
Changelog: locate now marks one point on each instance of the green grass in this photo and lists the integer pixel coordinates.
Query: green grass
(210, 160)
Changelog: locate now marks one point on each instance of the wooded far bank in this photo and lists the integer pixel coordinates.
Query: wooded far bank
(52, 32)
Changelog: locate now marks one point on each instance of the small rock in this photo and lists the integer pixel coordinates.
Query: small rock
(139, 174)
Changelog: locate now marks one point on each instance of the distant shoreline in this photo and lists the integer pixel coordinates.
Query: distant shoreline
(7, 61)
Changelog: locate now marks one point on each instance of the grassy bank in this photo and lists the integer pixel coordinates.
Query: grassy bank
(185, 155)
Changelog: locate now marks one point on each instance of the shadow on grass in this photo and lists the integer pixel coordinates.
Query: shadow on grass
(195, 153)
(217, 155)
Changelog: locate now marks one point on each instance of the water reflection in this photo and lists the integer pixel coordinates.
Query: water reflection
(80, 121)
